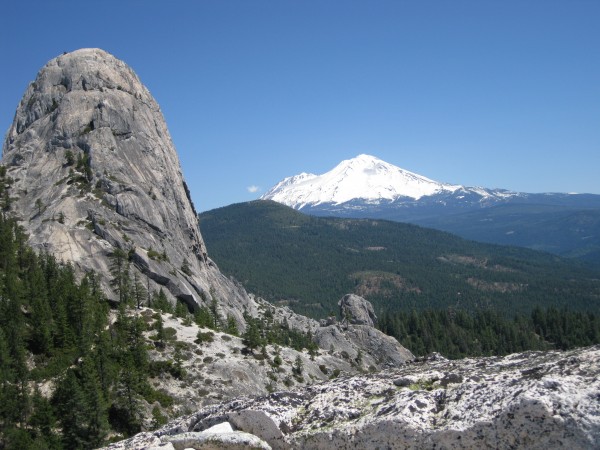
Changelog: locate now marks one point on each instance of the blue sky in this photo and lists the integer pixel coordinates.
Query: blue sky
(483, 93)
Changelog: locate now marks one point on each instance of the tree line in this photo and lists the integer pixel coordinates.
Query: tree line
(456, 333)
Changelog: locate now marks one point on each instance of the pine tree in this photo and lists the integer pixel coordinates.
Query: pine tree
(214, 313)
(181, 309)
(161, 303)
(203, 318)
(68, 400)
(298, 365)
(179, 371)
(119, 269)
(252, 337)
(160, 330)
(138, 348)
(231, 326)
(43, 421)
(126, 410)
(104, 360)
(94, 408)
(139, 292)
(13, 325)
(8, 404)
(41, 314)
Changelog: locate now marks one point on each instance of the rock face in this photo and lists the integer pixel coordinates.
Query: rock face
(532, 400)
(96, 170)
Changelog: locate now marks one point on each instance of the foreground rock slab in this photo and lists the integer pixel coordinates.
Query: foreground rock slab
(533, 400)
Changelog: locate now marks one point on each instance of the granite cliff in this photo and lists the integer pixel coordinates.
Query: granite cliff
(95, 170)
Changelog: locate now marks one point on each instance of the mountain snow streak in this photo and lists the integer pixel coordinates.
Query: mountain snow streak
(365, 178)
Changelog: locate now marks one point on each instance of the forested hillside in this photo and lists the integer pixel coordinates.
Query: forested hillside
(76, 373)
(310, 262)
(456, 333)
(55, 334)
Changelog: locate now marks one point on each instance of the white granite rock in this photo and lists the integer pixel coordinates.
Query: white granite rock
(235, 440)
(356, 310)
(532, 400)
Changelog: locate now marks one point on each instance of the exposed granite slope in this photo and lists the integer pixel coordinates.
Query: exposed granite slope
(219, 368)
(532, 400)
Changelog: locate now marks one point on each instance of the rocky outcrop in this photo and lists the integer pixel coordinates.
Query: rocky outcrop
(356, 339)
(220, 436)
(357, 311)
(220, 368)
(364, 345)
(230, 440)
(532, 400)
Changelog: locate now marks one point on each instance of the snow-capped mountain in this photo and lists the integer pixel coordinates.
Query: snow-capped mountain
(367, 182)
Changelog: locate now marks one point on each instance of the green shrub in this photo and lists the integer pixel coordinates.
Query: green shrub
(170, 334)
(158, 418)
(203, 337)
(152, 395)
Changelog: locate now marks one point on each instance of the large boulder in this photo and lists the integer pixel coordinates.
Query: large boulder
(362, 345)
(357, 311)
(233, 440)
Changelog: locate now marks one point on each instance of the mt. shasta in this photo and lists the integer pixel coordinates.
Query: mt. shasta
(369, 181)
